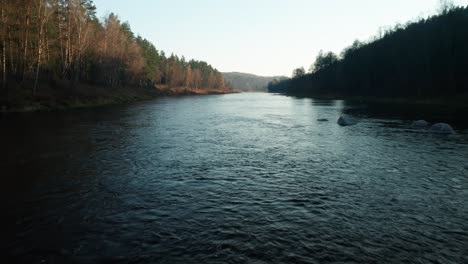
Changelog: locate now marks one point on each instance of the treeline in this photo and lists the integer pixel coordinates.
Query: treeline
(46, 40)
(423, 59)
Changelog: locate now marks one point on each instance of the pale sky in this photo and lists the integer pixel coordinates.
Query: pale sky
(264, 37)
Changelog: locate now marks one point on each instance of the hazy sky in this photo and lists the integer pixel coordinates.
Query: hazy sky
(265, 37)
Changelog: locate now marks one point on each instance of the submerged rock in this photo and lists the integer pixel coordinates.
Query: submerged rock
(322, 120)
(420, 124)
(346, 121)
(442, 128)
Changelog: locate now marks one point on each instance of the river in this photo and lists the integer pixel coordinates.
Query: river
(239, 178)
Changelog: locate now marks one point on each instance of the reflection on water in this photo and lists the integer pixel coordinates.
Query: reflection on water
(434, 113)
(230, 178)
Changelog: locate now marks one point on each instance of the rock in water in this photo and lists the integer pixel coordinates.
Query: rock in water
(420, 124)
(322, 120)
(442, 128)
(346, 121)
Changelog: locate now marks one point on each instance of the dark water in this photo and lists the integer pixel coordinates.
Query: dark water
(243, 178)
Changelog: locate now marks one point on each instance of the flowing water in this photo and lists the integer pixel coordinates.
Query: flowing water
(240, 178)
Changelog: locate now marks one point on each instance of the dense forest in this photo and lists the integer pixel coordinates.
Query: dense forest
(62, 44)
(423, 59)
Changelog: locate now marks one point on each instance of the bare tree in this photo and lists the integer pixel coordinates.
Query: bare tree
(24, 64)
(3, 36)
(188, 77)
(42, 17)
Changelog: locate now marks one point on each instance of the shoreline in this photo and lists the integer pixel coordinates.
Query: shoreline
(181, 91)
(87, 96)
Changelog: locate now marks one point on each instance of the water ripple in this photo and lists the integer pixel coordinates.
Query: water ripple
(244, 178)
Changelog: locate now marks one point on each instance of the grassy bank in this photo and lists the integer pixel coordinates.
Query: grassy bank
(62, 95)
(175, 91)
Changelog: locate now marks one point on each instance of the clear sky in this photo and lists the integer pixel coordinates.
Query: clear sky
(264, 37)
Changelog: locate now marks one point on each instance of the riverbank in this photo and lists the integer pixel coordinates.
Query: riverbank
(60, 96)
(163, 90)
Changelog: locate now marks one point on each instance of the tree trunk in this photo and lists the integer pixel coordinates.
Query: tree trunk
(79, 49)
(4, 71)
(68, 44)
(41, 17)
(4, 79)
(10, 45)
(26, 34)
(59, 27)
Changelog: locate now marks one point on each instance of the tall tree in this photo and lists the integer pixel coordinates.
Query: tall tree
(3, 48)
(42, 17)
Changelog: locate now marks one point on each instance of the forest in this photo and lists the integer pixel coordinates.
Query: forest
(423, 59)
(61, 44)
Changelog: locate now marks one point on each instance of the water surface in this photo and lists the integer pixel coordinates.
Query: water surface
(230, 179)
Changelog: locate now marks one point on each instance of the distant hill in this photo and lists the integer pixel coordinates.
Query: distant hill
(246, 82)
